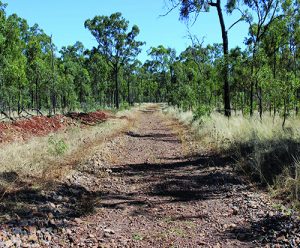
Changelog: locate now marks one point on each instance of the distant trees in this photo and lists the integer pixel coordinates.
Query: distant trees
(264, 77)
(34, 76)
(118, 46)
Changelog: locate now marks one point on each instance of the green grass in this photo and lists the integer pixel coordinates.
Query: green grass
(137, 237)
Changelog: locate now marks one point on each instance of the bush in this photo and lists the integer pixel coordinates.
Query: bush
(202, 111)
(57, 146)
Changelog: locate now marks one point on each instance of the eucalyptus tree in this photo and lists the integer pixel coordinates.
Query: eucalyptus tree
(260, 14)
(2, 40)
(162, 59)
(189, 7)
(100, 76)
(74, 62)
(115, 43)
(13, 64)
(38, 66)
(130, 72)
(198, 61)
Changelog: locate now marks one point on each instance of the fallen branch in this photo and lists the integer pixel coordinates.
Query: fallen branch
(6, 115)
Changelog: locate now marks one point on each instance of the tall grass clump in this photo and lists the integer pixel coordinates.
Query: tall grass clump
(263, 150)
(185, 117)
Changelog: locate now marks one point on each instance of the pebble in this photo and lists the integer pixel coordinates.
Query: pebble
(9, 243)
(235, 210)
(110, 231)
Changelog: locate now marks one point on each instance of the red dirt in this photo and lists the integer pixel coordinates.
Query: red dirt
(42, 125)
(89, 118)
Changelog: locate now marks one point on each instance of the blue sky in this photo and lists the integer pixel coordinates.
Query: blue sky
(64, 19)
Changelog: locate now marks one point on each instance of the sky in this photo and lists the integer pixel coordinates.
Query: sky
(64, 20)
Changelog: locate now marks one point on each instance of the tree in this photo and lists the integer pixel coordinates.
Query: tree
(265, 11)
(118, 46)
(74, 65)
(188, 7)
(162, 60)
(38, 53)
(99, 73)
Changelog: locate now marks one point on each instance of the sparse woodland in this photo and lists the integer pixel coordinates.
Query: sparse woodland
(198, 126)
(262, 78)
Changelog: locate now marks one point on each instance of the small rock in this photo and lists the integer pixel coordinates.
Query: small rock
(106, 235)
(110, 231)
(32, 229)
(78, 221)
(261, 213)
(232, 225)
(52, 205)
(235, 210)
(218, 245)
(50, 216)
(47, 236)
(32, 238)
(9, 243)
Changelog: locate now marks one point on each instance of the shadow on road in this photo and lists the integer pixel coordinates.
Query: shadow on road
(268, 230)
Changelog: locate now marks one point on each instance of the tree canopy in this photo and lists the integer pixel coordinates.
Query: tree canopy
(262, 77)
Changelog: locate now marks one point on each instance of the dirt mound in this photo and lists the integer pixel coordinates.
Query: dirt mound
(23, 129)
(89, 118)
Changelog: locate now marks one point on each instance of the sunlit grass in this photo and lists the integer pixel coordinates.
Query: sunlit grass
(263, 150)
(37, 157)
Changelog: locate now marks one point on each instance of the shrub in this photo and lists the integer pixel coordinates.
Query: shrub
(56, 146)
(202, 111)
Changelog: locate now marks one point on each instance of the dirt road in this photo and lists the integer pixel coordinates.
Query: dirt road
(144, 190)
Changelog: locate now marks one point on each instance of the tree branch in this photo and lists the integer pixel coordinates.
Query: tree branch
(170, 10)
(6, 115)
(236, 22)
(212, 4)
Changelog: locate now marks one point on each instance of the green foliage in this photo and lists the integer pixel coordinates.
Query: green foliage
(124, 105)
(56, 146)
(202, 111)
(264, 77)
(118, 46)
(137, 237)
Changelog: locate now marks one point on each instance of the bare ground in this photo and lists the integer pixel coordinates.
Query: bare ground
(143, 188)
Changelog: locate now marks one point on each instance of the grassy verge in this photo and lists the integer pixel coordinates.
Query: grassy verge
(263, 150)
(51, 157)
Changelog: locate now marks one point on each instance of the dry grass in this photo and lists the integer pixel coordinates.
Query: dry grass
(263, 150)
(221, 132)
(183, 117)
(51, 157)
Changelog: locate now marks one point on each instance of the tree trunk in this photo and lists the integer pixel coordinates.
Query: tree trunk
(260, 103)
(128, 88)
(19, 99)
(251, 97)
(226, 67)
(284, 113)
(116, 72)
(37, 96)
